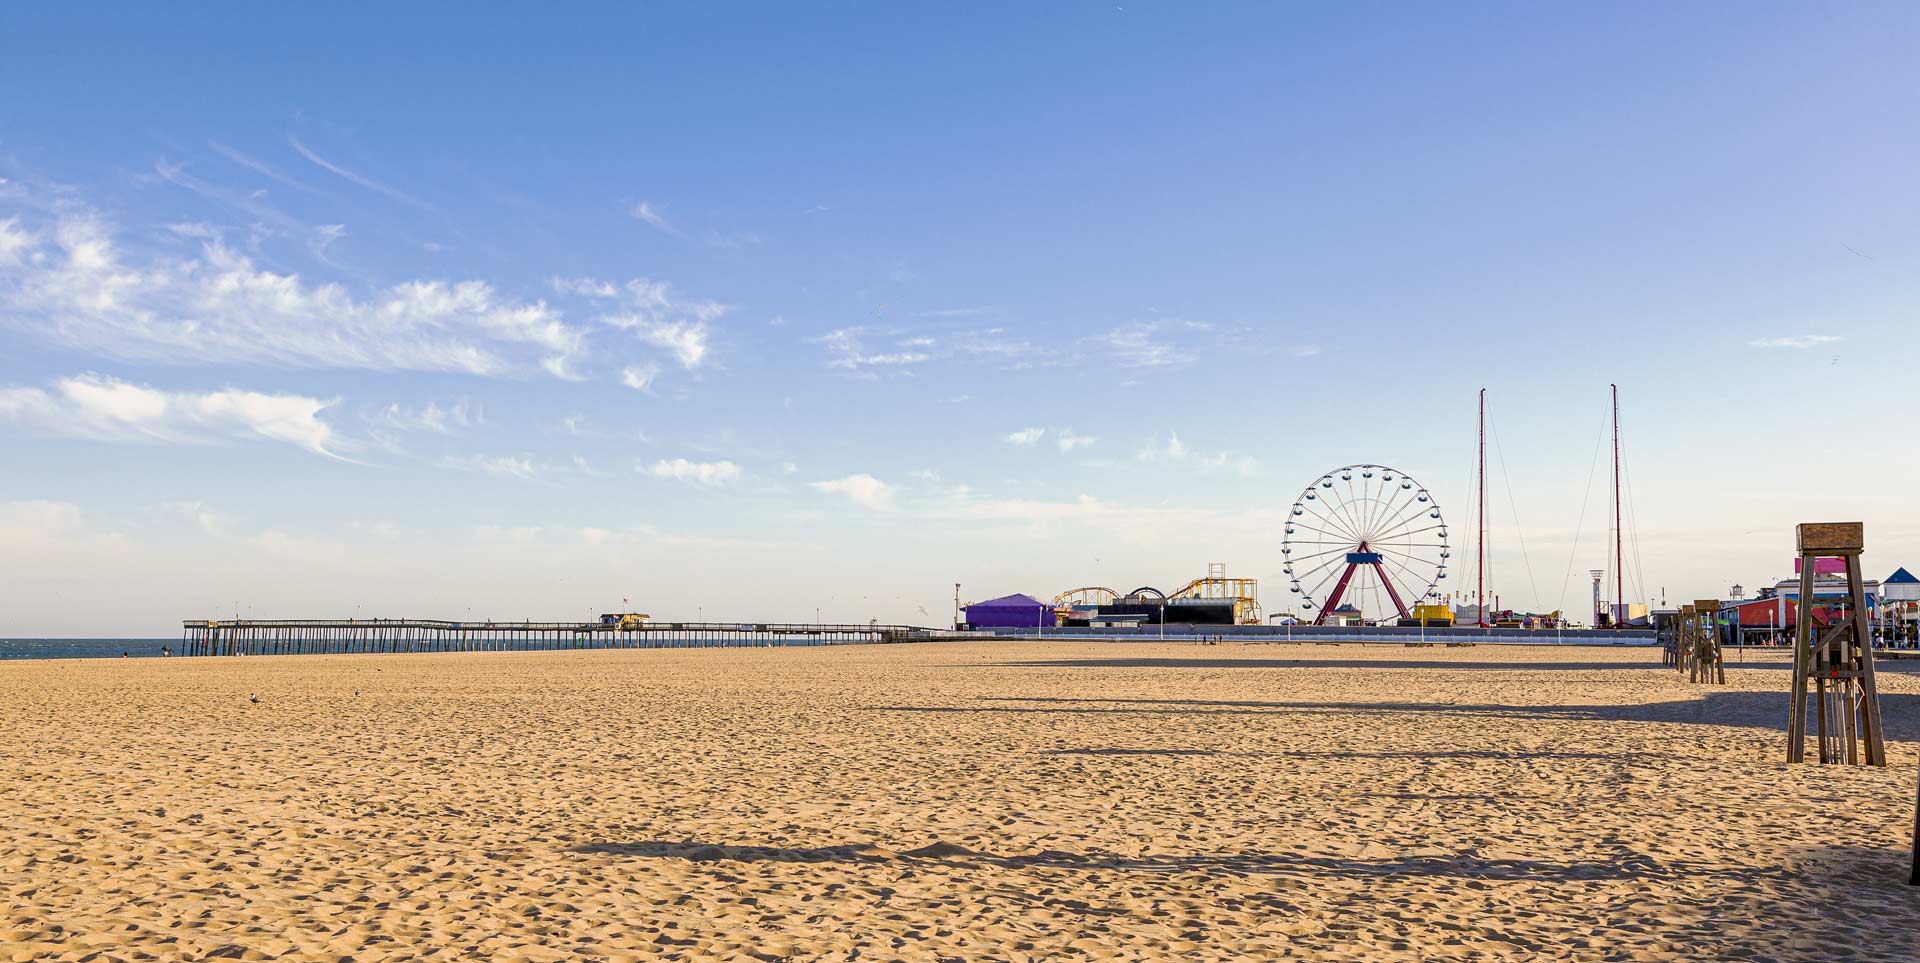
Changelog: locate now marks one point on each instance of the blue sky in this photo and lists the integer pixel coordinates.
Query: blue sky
(751, 312)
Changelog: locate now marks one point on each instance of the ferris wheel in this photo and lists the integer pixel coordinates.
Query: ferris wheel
(1368, 536)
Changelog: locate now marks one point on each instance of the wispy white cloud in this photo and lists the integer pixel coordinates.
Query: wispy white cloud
(509, 465)
(267, 218)
(1026, 437)
(360, 179)
(1796, 341)
(686, 339)
(585, 287)
(863, 350)
(733, 241)
(653, 313)
(639, 377)
(701, 472)
(257, 166)
(323, 238)
(847, 349)
(863, 489)
(1173, 450)
(195, 229)
(645, 211)
(14, 240)
(1305, 350)
(1068, 441)
(107, 409)
(1144, 344)
(71, 283)
(450, 419)
(522, 467)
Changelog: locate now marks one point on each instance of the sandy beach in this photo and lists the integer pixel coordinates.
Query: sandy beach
(942, 802)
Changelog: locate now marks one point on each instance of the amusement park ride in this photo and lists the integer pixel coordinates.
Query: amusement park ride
(1215, 586)
(1369, 536)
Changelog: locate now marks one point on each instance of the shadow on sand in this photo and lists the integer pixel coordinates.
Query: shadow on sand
(1757, 710)
(1771, 659)
(1625, 865)
(1652, 661)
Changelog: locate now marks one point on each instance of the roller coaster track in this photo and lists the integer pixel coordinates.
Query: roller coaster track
(1243, 592)
(1088, 595)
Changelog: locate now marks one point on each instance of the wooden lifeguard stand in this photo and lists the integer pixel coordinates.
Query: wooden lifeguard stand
(1837, 658)
(1683, 640)
(1707, 665)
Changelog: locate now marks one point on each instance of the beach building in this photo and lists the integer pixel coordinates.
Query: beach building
(1900, 607)
(1010, 612)
(1346, 614)
(1771, 617)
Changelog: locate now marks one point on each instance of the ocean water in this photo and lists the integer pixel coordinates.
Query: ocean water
(82, 648)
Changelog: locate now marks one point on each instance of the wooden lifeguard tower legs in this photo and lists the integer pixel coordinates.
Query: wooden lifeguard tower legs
(1914, 880)
(1683, 639)
(1837, 659)
(1705, 662)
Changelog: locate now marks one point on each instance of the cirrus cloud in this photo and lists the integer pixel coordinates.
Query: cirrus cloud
(1795, 341)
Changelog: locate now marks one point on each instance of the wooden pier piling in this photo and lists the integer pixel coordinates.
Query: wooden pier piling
(388, 636)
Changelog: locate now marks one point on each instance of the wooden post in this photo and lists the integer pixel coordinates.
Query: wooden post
(1683, 638)
(1838, 659)
(1914, 879)
(1707, 665)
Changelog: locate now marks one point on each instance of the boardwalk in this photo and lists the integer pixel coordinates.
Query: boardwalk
(344, 636)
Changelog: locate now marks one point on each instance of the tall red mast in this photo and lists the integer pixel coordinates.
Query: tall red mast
(1480, 566)
(1619, 561)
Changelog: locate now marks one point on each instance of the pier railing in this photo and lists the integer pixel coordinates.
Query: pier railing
(347, 636)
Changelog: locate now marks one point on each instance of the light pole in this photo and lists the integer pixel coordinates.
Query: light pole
(956, 606)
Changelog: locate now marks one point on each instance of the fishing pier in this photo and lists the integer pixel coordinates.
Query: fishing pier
(356, 636)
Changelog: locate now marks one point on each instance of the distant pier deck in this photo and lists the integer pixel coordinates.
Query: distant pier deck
(352, 636)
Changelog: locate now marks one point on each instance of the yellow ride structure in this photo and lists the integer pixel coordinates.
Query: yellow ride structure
(1245, 593)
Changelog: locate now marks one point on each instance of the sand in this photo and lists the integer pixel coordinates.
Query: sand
(942, 802)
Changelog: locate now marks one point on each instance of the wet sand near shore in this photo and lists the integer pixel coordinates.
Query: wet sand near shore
(943, 802)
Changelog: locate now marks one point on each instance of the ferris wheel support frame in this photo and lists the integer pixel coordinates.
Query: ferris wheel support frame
(1365, 556)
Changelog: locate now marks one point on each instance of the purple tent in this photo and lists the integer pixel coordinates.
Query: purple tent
(1010, 612)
